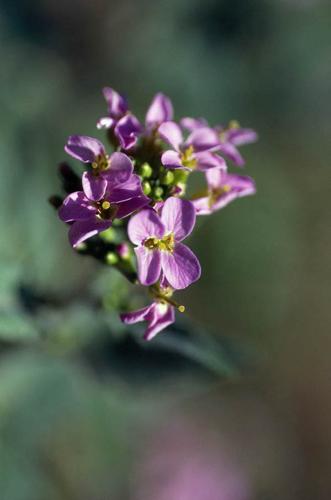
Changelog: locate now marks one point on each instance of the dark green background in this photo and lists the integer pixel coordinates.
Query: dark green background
(266, 270)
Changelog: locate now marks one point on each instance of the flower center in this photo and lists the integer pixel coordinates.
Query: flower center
(100, 163)
(165, 244)
(216, 194)
(163, 297)
(106, 210)
(188, 159)
(233, 125)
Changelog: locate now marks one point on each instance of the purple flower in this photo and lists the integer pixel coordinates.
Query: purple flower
(117, 108)
(159, 244)
(222, 189)
(89, 217)
(194, 153)
(115, 169)
(127, 131)
(159, 111)
(229, 138)
(159, 314)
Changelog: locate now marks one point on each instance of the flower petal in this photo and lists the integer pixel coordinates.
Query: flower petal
(181, 267)
(84, 148)
(84, 229)
(122, 192)
(202, 206)
(203, 139)
(149, 265)
(120, 169)
(159, 111)
(171, 159)
(232, 153)
(132, 317)
(207, 160)
(127, 130)
(241, 136)
(76, 207)
(163, 316)
(145, 224)
(105, 123)
(178, 216)
(171, 133)
(193, 123)
(94, 186)
(127, 207)
(117, 104)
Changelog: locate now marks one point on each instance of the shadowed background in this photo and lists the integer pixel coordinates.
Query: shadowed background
(265, 287)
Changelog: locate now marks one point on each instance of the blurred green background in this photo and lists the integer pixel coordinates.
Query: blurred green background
(85, 409)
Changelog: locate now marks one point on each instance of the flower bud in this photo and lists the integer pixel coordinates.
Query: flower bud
(145, 170)
(168, 178)
(158, 192)
(111, 258)
(146, 187)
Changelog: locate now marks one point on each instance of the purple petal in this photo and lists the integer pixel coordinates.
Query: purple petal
(172, 134)
(203, 139)
(178, 216)
(76, 207)
(232, 153)
(202, 206)
(120, 169)
(129, 206)
(163, 316)
(117, 105)
(207, 160)
(193, 123)
(241, 136)
(159, 111)
(215, 177)
(105, 122)
(84, 229)
(149, 265)
(171, 159)
(84, 148)
(122, 192)
(132, 317)
(145, 224)
(181, 267)
(127, 130)
(94, 186)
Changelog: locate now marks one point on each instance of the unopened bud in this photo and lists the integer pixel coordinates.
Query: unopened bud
(111, 258)
(168, 178)
(145, 170)
(158, 192)
(146, 188)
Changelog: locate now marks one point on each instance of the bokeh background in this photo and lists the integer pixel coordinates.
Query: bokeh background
(236, 404)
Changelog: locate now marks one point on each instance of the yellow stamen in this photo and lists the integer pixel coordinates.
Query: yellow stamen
(187, 158)
(216, 193)
(105, 205)
(165, 244)
(181, 309)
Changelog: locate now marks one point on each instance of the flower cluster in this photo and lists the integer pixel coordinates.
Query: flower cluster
(129, 207)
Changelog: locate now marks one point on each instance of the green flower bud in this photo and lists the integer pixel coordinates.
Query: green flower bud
(145, 170)
(111, 258)
(158, 192)
(168, 178)
(180, 176)
(146, 187)
(109, 235)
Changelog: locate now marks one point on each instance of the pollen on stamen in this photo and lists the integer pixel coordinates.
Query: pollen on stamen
(181, 309)
(105, 205)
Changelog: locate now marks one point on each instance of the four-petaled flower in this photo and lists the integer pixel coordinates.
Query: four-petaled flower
(222, 189)
(125, 125)
(115, 169)
(196, 152)
(89, 217)
(159, 243)
(159, 314)
(229, 138)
